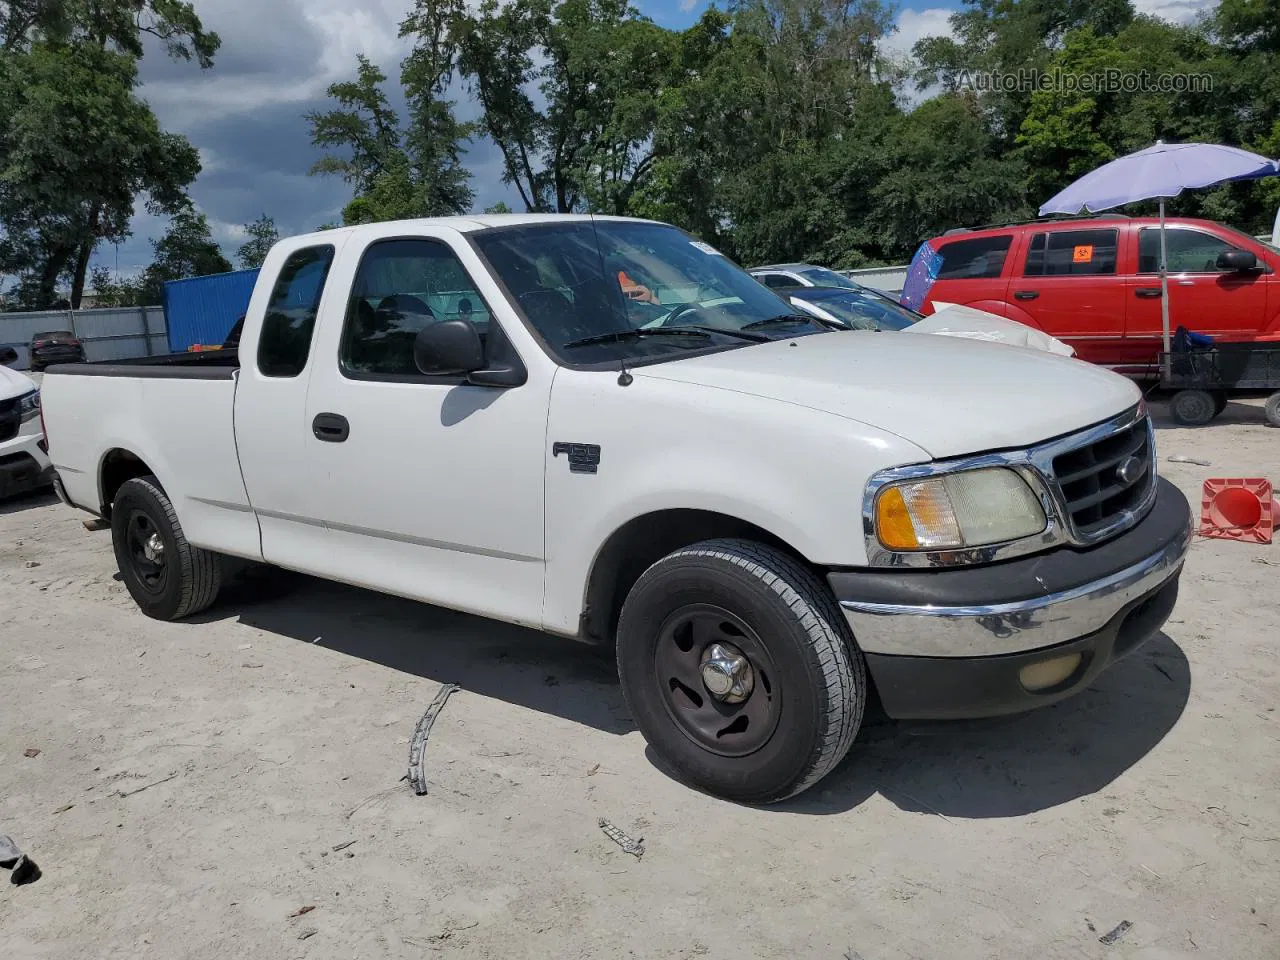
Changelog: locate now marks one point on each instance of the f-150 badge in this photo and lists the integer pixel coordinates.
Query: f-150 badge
(583, 457)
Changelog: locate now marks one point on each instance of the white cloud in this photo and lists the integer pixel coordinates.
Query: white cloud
(302, 47)
(1175, 11)
(915, 25)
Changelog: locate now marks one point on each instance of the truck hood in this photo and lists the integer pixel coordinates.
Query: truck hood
(949, 396)
(13, 383)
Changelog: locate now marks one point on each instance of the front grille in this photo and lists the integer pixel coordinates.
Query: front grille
(9, 419)
(1096, 494)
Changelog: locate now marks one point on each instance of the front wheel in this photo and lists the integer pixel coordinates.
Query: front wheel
(167, 577)
(740, 670)
(1272, 409)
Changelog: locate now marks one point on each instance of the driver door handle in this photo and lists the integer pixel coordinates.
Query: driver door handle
(330, 428)
(1147, 293)
(1026, 294)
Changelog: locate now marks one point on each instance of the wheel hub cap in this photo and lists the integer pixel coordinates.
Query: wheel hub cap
(153, 548)
(726, 673)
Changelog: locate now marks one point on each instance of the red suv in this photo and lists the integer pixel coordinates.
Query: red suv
(1095, 283)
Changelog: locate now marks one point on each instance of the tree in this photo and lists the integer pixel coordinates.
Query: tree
(768, 136)
(121, 25)
(947, 170)
(396, 175)
(499, 207)
(77, 148)
(434, 138)
(599, 67)
(109, 291)
(262, 235)
(186, 250)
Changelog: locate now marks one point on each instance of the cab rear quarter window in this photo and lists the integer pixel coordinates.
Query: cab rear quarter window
(285, 341)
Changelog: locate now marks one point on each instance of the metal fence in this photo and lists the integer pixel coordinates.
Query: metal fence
(886, 279)
(112, 333)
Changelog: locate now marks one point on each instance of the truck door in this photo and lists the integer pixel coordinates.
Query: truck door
(276, 360)
(1224, 304)
(1069, 285)
(432, 487)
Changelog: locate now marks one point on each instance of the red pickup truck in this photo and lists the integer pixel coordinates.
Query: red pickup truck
(1095, 283)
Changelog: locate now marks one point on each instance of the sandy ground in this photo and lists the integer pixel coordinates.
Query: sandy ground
(195, 780)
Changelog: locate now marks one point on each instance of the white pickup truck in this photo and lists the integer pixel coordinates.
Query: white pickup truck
(602, 428)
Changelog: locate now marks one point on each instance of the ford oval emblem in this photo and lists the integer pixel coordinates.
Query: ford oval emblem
(1129, 471)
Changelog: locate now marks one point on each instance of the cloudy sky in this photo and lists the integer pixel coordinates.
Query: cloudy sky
(278, 56)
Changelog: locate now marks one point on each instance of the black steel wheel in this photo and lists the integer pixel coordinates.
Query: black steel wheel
(715, 676)
(167, 577)
(146, 552)
(740, 670)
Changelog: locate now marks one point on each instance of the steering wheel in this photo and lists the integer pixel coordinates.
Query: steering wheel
(680, 311)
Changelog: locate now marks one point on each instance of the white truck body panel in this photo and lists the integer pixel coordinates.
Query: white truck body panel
(932, 390)
(181, 428)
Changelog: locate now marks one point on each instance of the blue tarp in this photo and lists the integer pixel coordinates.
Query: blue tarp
(204, 309)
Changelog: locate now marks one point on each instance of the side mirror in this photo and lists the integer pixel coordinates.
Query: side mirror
(8, 355)
(1237, 261)
(448, 348)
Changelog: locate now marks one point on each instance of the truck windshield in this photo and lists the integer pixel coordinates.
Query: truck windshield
(586, 286)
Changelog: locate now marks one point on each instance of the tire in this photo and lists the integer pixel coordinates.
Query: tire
(808, 680)
(1220, 401)
(1192, 408)
(1272, 409)
(169, 584)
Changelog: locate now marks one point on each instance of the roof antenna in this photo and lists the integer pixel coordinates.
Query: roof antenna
(625, 379)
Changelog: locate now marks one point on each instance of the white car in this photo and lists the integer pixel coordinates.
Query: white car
(778, 276)
(862, 308)
(633, 443)
(24, 465)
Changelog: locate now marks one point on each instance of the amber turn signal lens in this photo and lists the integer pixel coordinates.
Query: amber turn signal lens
(893, 522)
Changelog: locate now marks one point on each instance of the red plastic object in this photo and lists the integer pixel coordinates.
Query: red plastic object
(1238, 509)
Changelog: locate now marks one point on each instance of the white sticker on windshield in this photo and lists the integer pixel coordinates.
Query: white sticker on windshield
(706, 248)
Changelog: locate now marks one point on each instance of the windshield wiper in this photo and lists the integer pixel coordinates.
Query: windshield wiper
(640, 332)
(702, 333)
(783, 319)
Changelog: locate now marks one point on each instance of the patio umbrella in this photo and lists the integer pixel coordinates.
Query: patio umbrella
(1159, 172)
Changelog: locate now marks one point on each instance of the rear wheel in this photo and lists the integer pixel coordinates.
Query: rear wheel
(167, 577)
(1192, 408)
(740, 670)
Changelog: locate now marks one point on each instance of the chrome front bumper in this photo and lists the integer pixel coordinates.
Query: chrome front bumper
(957, 643)
(1027, 603)
(984, 630)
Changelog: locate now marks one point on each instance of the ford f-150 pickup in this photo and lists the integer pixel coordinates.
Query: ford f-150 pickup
(602, 428)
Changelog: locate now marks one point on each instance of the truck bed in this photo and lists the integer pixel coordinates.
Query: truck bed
(201, 365)
(175, 414)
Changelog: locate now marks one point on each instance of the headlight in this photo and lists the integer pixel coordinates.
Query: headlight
(29, 406)
(958, 510)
